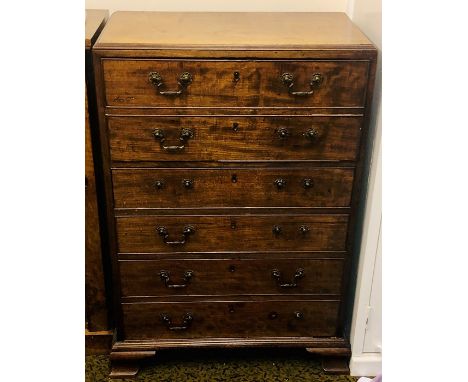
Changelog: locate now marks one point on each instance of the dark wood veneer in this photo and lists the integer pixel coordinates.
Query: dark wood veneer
(236, 138)
(228, 319)
(232, 276)
(214, 84)
(97, 319)
(233, 187)
(233, 233)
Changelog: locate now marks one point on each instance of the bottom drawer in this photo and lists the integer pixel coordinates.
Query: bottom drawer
(231, 319)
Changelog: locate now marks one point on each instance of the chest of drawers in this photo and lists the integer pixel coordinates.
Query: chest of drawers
(233, 148)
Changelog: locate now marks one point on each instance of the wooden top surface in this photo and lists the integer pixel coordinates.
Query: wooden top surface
(95, 20)
(216, 30)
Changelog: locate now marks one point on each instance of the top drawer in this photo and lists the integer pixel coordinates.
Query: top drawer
(169, 83)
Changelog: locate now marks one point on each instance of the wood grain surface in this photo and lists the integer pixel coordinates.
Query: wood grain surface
(96, 312)
(261, 30)
(212, 276)
(96, 308)
(138, 234)
(260, 83)
(232, 187)
(232, 319)
(235, 138)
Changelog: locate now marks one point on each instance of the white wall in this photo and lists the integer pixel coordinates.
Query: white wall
(220, 5)
(366, 329)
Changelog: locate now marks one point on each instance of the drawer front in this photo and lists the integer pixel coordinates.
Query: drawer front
(230, 277)
(233, 319)
(190, 188)
(160, 83)
(149, 234)
(233, 138)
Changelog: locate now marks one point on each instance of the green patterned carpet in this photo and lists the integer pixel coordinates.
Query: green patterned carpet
(250, 365)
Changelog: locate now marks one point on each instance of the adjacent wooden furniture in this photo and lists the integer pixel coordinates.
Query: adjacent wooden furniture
(98, 335)
(233, 146)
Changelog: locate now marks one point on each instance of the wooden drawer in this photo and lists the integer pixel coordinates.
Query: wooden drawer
(233, 319)
(234, 138)
(208, 277)
(213, 83)
(149, 234)
(233, 187)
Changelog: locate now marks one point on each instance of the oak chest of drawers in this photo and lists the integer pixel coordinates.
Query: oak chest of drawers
(233, 148)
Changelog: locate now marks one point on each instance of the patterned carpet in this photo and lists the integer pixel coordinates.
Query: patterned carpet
(246, 365)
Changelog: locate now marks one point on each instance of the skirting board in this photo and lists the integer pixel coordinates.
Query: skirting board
(366, 365)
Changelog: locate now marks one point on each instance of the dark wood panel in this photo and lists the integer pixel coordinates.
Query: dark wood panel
(235, 187)
(96, 308)
(232, 233)
(230, 277)
(214, 83)
(235, 138)
(97, 343)
(234, 319)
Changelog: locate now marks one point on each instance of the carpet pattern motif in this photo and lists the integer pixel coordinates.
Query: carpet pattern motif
(220, 366)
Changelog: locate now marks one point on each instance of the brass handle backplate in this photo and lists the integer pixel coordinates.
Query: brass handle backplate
(308, 183)
(315, 82)
(304, 229)
(280, 183)
(299, 315)
(277, 229)
(187, 183)
(276, 274)
(185, 79)
(158, 184)
(188, 230)
(165, 276)
(186, 321)
(311, 134)
(185, 135)
(283, 132)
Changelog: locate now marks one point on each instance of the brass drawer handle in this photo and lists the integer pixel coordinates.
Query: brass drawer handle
(188, 230)
(158, 184)
(186, 321)
(311, 134)
(280, 183)
(298, 315)
(308, 183)
(282, 132)
(315, 82)
(165, 276)
(156, 79)
(185, 135)
(187, 183)
(276, 274)
(304, 229)
(277, 229)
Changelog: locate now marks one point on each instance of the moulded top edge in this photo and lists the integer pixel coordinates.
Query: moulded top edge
(231, 30)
